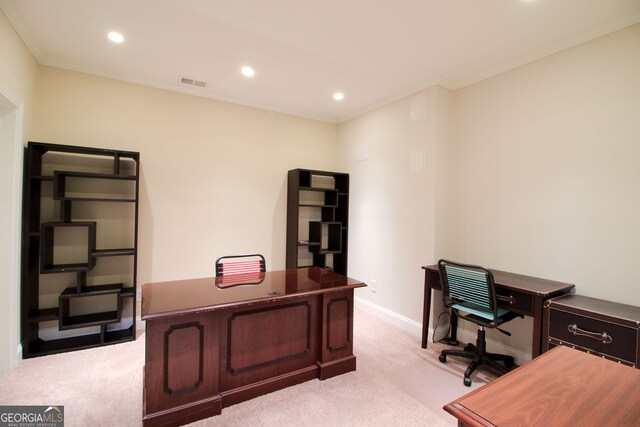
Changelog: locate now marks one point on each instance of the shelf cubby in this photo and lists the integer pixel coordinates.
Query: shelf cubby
(329, 234)
(104, 187)
(71, 295)
(79, 242)
(318, 197)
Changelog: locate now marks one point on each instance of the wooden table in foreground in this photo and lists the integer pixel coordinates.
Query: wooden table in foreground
(522, 294)
(562, 387)
(208, 347)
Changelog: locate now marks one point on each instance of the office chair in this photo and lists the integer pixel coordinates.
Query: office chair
(469, 291)
(236, 270)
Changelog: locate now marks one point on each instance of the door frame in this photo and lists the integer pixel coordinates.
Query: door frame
(11, 150)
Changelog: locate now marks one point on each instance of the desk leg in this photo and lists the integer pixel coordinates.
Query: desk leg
(426, 312)
(536, 344)
(452, 339)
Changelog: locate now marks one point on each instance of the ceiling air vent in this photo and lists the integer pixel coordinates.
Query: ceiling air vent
(192, 82)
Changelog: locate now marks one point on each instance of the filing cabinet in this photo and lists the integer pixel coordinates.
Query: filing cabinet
(607, 329)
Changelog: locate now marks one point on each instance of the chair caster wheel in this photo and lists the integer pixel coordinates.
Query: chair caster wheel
(442, 358)
(467, 382)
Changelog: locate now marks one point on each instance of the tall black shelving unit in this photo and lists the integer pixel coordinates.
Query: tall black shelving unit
(317, 219)
(76, 200)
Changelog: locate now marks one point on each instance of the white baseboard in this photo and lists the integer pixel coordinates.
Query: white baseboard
(411, 326)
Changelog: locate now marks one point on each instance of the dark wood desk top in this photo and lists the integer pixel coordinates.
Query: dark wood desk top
(562, 387)
(522, 283)
(194, 295)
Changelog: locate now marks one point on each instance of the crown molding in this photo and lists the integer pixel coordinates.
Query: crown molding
(21, 29)
(548, 51)
(531, 57)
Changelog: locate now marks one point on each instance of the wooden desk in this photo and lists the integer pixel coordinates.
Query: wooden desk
(562, 387)
(522, 294)
(208, 347)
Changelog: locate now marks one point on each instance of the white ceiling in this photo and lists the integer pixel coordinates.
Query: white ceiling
(375, 51)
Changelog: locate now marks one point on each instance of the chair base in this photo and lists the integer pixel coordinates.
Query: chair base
(479, 356)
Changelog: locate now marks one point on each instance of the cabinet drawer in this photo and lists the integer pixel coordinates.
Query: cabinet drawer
(515, 301)
(609, 339)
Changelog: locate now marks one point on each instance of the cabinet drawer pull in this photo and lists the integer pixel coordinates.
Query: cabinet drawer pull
(507, 298)
(604, 337)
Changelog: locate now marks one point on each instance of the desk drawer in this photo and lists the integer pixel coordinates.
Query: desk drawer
(515, 301)
(602, 337)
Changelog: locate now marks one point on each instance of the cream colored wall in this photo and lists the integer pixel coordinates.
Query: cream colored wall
(392, 212)
(18, 70)
(536, 172)
(548, 159)
(213, 174)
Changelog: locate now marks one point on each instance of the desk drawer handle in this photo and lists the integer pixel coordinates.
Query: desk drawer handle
(604, 337)
(507, 298)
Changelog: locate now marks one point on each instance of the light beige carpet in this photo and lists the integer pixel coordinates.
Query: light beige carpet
(396, 384)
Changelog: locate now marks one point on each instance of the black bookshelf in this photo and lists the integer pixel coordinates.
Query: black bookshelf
(317, 219)
(60, 180)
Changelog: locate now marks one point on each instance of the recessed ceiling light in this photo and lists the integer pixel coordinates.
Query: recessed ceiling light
(247, 71)
(338, 96)
(115, 37)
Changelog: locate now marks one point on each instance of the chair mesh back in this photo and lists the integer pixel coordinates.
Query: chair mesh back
(467, 286)
(240, 264)
(235, 270)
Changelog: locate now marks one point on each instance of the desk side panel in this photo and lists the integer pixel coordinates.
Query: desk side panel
(181, 359)
(337, 334)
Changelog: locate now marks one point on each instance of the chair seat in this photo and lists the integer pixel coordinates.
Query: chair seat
(481, 318)
(483, 314)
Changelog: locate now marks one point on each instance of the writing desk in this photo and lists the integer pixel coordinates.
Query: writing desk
(562, 387)
(522, 294)
(209, 345)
